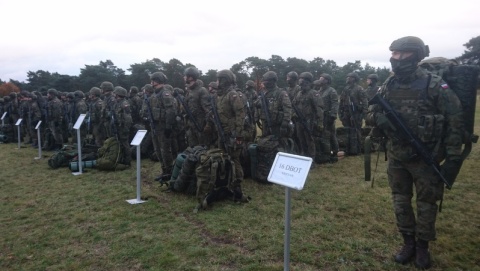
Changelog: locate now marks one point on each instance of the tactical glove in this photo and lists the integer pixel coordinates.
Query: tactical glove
(383, 122)
(450, 168)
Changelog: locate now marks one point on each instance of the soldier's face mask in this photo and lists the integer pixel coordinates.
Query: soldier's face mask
(290, 81)
(404, 63)
(269, 84)
(304, 84)
(223, 83)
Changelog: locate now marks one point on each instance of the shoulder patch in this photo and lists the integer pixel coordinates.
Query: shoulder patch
(444, 85)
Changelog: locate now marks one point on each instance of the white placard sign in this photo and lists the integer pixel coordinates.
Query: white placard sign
(290, 170)
(138, 137)
(4, 114)
(79, 121)
(18, 122)
(38, 124)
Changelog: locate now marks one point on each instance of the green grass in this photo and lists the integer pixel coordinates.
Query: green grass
(53, 220)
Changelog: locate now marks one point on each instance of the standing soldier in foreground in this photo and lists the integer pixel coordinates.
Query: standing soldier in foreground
(352, 109)
(329, 95)
(249, 98)
(164, 110)
(197, 101)
(433, 113)
(121, 123)
(292, 85)
(136, 104)
(231, 112)
(109, 101)
(96, 110)
(274, 107)
(308, 116)
(55, 117)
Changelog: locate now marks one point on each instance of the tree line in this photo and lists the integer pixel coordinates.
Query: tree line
(252, 68)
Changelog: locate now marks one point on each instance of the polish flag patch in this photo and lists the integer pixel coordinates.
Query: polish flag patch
(444, 85)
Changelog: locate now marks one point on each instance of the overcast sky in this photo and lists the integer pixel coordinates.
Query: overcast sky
(64, 36)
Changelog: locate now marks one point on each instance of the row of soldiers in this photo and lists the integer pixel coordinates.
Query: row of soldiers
(223, 115)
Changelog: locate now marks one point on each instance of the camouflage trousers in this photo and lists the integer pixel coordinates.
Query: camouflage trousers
(56, 130)
(99, 134)
(403, 177)
(306, 143)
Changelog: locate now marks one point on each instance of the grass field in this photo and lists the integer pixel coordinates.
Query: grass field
(53, 220)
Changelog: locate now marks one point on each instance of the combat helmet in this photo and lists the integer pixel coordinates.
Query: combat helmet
(411, 44)
(95, 91)
(354, 75)
(158, 77)
(120, 91)
(306, 76)
(250, 83)
(192, 72)
(106, 86)
(327, 76)
(52, 92)
(79, 94)
(293, 75)
(270, 76)
(228, 74)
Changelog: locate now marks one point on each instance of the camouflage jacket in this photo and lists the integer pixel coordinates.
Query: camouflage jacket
(96, 110)
(371, 90)
(122, 115)
(231, 112)
(330, 101)
(429, 108)
(55, 110)
(279, 107)
(197, 100)
(353, 99)
(164, 108)
(309, 104)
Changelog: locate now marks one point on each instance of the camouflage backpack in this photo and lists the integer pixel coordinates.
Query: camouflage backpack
(215, 172)
(183, 176)
(109, 154)
(267, 149)
(463, 80)
(62, 157)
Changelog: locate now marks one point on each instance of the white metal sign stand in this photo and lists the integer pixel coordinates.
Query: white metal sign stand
(137, 140)
(77, 126)
(18, 124)
(39, 140)
(291, 171)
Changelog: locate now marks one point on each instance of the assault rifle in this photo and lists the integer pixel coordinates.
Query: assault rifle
(301, 119)
(113, 125)
(408, 135)
(265, 110)
(216, 120)
(352, 110)
(187, 110)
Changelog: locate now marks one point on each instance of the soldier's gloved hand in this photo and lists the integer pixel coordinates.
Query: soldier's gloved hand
(450, 168)
(167, 133)
(383, 123)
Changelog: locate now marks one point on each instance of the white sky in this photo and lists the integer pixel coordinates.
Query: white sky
(63, 36)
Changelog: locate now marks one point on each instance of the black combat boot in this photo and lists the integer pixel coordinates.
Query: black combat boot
(407, 251)
(422, 256)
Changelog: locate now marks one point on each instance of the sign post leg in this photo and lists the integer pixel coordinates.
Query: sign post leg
(39, 143)
(286, 252)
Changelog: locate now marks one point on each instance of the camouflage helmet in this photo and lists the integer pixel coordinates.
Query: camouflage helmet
(372, 77)
(70, 95)
(158, 77)
(250, 83)
(120, 91)
(52, 92)
(133, 90)
(192, 72)
(411, 44)
(270, 76)
(306, 76)
(293, 75)
(354, 75)
(327, 77)
(79, 94)
(228, 74)
(213, 85)
(168, 87)
(148, 88)
(95, 91)
(106, 86)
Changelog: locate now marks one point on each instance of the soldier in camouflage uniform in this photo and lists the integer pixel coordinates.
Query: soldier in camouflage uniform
(136, 105)
(433, 113)
(231, 112)
(80, 107)
(197, 100)
(329, 142)
(352, 109)
(249, 98)
(121, 123)
(164, 111)
(307, 116)
(292, 85)
(372, 87)
(212, 87)
(146, 113)
(109, 101)
(34, 116)
(96, 110)
(276, 117)
(55, 117)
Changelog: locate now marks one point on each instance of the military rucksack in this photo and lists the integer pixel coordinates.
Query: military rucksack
(215, 172)
(267, 148)
(463, 80)
(109, 155)
(62, 157)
